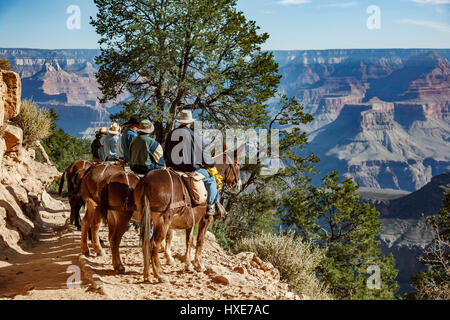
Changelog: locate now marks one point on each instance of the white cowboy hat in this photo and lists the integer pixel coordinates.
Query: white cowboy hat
(186, 117)
(114, 129)
(146, 126)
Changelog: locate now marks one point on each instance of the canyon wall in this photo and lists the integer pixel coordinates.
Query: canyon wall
(380, 116)
(23, 180)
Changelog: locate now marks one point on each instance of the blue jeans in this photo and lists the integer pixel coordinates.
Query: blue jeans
(211, 186)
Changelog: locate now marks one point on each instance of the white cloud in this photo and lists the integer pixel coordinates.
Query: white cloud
(431, 1)
(289, 2)
(340, 5)
(428, 24)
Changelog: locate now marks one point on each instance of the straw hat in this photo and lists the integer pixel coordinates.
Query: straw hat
(114, 129)
(186, 117)
(102, 130)
(146, 126)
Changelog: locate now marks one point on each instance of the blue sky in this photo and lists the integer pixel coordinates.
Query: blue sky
(292, 24)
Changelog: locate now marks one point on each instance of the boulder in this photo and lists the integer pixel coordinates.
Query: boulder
(50, 204)
(8, 238)
(15, 215)
(225, 280)
(13, 137)
(12, 99)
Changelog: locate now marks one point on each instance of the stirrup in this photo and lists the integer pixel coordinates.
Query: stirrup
(211, 210)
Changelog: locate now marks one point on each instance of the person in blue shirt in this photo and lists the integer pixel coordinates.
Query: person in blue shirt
(128, 135)
(110, 143)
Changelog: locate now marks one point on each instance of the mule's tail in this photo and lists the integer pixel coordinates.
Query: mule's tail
(146, 220)
(104, 203)
(61, 183)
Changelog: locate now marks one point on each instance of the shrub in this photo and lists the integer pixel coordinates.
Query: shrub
(250, 214)
(5, 65)
(296, 260)
(34, 122)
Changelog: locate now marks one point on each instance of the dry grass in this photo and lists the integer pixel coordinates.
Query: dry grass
(35, 123)
(296, 260)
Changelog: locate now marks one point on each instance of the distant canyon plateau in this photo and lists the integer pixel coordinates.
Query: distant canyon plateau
(381, 116)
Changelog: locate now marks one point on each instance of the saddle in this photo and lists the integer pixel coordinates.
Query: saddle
(195, 185)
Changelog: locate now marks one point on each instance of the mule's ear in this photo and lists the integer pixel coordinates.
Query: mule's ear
(238, 152)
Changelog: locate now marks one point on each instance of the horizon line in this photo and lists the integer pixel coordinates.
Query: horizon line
(329, 49)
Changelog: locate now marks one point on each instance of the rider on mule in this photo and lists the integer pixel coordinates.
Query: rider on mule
(146, 153)
(96, 145)
(193, 157)
(128, 135)
(110, 143)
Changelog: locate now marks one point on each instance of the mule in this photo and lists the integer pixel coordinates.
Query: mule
(92, 184)
(117, 208)
(72, 175)
(161, 197)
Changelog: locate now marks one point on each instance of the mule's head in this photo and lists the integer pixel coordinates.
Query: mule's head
(229, 168)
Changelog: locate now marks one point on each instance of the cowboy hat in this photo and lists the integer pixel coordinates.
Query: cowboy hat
(103, 130)
(145, 126)
(132, 120)
(186, 117)
(114, 129)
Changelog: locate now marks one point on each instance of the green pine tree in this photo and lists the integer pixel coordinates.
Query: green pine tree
(62, 148)
(192, 54)
(333, 218)
(434, 284)
(255, 208)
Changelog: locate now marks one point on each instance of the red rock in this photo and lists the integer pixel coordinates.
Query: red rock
(221, 279)
(12, 100)
(13, 137)
(239, 269)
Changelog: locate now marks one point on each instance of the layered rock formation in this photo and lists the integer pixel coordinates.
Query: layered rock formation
(64, 80)
(381, 116)
(22, 179)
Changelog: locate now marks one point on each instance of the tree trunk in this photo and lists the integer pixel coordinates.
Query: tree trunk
(42, 152)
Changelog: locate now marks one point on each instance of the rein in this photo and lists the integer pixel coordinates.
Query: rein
(232, 169)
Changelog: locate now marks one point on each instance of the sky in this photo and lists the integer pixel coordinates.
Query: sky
(291, 24)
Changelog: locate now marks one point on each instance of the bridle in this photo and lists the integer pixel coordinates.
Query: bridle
(227, 173)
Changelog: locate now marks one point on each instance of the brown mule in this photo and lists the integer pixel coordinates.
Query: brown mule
(91, 187)
(161, 197)
(72, 175)
(117, 207)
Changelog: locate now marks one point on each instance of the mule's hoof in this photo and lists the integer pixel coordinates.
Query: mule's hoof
(120, 269)
(146, 280)
(170, 261)
(101, 254)
(199, 268)
(188, 267)
(86, 253)
(163, 279)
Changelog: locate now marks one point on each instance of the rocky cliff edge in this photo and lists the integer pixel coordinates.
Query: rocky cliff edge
(23, 180)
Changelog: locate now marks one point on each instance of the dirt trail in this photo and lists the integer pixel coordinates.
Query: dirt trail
(43, 272)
